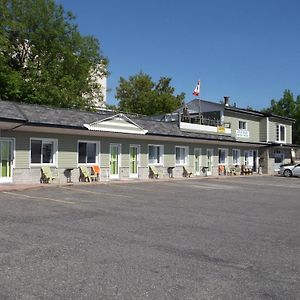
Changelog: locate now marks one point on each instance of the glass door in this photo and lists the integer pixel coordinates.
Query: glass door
(133, 161)
(5, 161)
(209, 158)
(197, 160)
(248, 158)
(114, 163)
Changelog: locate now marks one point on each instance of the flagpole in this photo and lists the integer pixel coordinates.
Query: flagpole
(197, 94)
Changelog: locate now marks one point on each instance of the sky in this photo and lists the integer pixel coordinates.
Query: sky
(248, 50)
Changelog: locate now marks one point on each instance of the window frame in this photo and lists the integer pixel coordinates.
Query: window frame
(54, 151)
(243, 122)
(186, 156)
(161, 155)
(278, 133)
(225, 158)
(97, 155)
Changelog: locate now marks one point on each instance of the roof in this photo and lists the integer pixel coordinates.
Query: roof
(44, 116)
(257, 113)
(40, 115)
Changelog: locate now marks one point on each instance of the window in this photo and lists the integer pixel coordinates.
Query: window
(87, 152)
(280, 133)
(181, 155)
(222, 156)
(243, 125)
(236, 154)
(43, 151)
(155, 154)
(278, 157)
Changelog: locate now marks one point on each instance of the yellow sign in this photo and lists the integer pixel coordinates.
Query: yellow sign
(221, 129)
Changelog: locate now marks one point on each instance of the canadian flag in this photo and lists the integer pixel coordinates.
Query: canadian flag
(197, 89)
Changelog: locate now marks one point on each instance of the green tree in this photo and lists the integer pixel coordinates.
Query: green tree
(43, 57)
(287, 106)
(139, 94)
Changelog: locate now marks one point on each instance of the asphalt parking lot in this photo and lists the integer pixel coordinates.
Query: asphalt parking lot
(227, 238)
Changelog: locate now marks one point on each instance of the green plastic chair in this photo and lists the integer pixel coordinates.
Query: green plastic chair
(86, 175)
(47, 176)
(153, 173)
(187, 172)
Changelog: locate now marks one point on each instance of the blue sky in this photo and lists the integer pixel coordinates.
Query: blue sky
(247, 50)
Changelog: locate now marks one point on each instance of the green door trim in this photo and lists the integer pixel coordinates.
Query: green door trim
(114, 160)
(197, 161)
(134, 160)
(7, 146)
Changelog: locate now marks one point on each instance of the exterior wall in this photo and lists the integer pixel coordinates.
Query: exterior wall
(263, 136)
(67, 157)
(272, 130)
(253, 125)
(269, 162)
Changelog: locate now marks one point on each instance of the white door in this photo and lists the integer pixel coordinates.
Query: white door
(6, 160)
(114, 162)
(209, 161)
(134, 161)
(197, 160)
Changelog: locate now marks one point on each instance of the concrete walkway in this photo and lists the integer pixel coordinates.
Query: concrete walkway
(26, 186)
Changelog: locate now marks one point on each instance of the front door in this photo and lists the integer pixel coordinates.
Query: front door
(6, 150)
(209, 158)
(197, 160)
(114, 163)
(133, 161)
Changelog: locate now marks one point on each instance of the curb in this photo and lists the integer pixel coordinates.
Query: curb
(21, 187)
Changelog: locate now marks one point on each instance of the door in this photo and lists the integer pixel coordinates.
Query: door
(6, 150)
(114, 163)
(197, 160)
(133, 161)
(209, 158)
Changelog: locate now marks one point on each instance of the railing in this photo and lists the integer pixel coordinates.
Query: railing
(205, 121)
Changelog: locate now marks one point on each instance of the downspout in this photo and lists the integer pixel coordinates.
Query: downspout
(20, 125)
(268, 127)
(23, 114)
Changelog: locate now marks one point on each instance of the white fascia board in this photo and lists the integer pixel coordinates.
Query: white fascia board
(117, 123)
(115, 129)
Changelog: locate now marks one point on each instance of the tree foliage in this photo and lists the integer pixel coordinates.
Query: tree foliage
(43, 57)
(139, 94)
(288, 106)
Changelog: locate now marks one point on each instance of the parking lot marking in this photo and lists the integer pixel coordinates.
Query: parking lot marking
(144, 190)
(201, 186)
(210, 186)
(97, 193)
(274, 184)
(38, 198)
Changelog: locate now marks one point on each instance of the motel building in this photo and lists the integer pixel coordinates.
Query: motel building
(202, 138)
